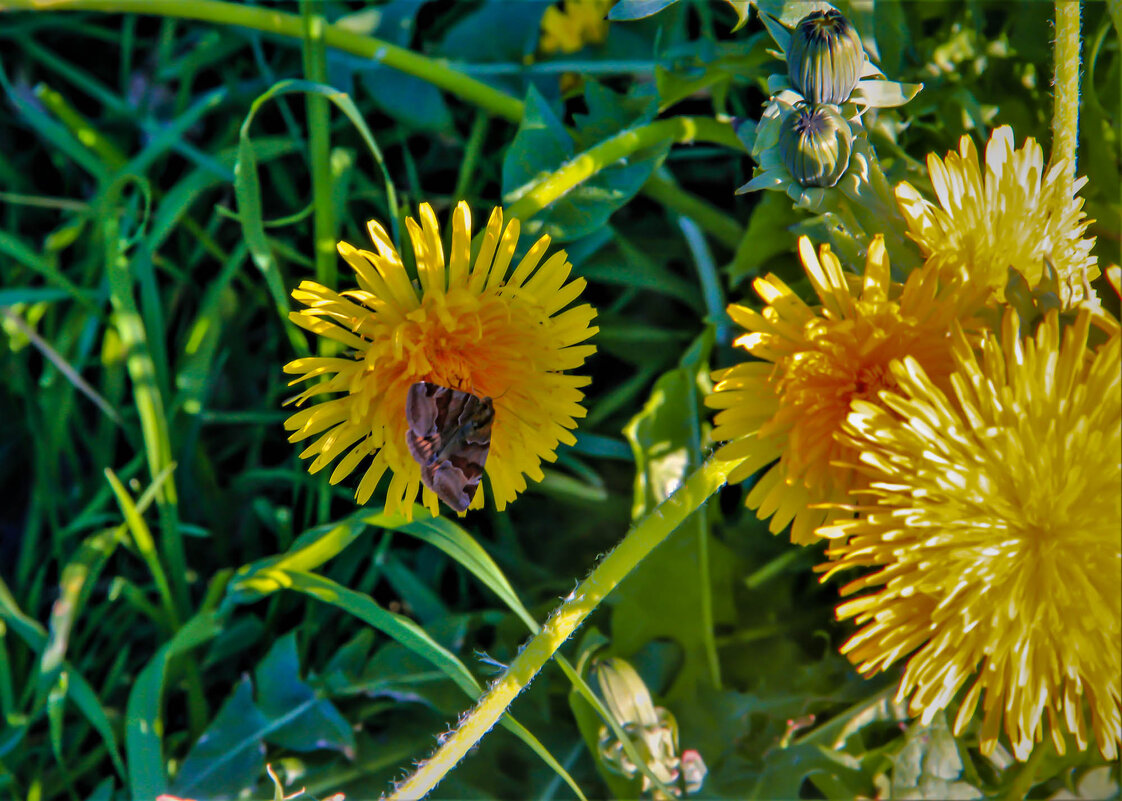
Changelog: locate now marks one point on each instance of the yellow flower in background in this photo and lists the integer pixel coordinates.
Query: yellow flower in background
(813, 363)
(1014, 214)
(474, 327)
(994, 526)
(582, 22)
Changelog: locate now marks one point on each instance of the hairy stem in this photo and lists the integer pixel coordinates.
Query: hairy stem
(634, 547)
(1065, 113)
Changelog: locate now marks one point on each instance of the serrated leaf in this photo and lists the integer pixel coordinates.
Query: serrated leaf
(312, 723)
(788, 768)
(229, 756)
(664, 437)
(542, 145)
(611, 112)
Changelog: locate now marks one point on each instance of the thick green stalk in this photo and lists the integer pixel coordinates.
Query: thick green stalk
(1025, 776)
(605, 577)
(725, 229)
(1065, 109)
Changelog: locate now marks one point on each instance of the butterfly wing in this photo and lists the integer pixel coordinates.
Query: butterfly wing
(449, 436)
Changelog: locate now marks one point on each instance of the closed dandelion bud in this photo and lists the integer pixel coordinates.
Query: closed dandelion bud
(815, 142)
(825, 57)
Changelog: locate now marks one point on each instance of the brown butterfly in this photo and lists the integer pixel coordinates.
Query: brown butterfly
(449, 435)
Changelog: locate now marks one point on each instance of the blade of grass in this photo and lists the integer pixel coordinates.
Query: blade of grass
(147, 397)
(144, 726)
(407, 633)
(247, 189)
(142, 538)
(55, 358)
(35, 637)
(434, 71)
(53, 132)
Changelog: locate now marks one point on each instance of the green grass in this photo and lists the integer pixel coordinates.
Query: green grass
(167, 565)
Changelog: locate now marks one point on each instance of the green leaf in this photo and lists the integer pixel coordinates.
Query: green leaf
(410, 100)
(229, 756)
(32, 294)
(893, 37)
(788, 768)
(542, 145)
(665, 439)
(407, 633)
(626, 10)
(789, 12)
(497, 31)
(539, 147)
(345, 665)
(280, 691)
(79, 690)
(660, 440)
(454, 541)
(247, 186)
(768, 235)
(611, 112)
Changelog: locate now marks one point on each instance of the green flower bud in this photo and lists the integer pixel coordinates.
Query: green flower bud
(815, 142)
(825, 58)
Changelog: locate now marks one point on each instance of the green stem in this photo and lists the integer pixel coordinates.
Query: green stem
(535, 196)
(269, 20)
(1065, 113)
(725, 229)
(634, 547)
(319, 143)
(1026, 776)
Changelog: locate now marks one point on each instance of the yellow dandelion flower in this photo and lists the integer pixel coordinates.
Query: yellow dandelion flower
(996, 533)
(582, 22)
(813, 363)
(1014, 215)
(474, 328)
